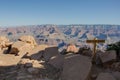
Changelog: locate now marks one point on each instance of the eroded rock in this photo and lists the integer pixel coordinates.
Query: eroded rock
(20, 47)
(28, 39)
(76, 67)
(4, 42)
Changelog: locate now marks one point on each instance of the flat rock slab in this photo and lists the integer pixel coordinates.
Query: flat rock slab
(8, 59)
(76, 67)
(108, 56)
(105, 76)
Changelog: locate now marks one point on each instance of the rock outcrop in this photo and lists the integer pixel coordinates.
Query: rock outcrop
(25, 44)
(4, 42)
(53, 57)
(28, 39)
(76, 67)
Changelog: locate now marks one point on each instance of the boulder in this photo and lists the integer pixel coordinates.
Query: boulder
(20, 47)
(57, 61)
(76, 67)
(37, 52)
(53, 57)
(4, 42)
(50, 52)
(107, 56)
(28, 39)
(105, 76)
(72, 48)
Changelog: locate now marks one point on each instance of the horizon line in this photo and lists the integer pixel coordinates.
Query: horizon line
(53, 24)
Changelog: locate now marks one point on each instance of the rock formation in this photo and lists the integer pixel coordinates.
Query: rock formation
(76, 67)
(23, 45)
(72, 48)
(28, 39)
(4, 42)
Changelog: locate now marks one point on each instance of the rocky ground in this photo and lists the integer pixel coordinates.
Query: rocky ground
(29, 61)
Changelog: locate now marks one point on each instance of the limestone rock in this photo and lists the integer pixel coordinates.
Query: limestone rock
(28, 39)
(76, 67)
(108, 56)
(105, 76)
(4, 42)
(3, 38)
(20, 47)
(72, 48)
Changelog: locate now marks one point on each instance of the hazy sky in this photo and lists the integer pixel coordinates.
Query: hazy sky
(32, 12)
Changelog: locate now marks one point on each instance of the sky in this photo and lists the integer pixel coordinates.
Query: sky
(36, 12)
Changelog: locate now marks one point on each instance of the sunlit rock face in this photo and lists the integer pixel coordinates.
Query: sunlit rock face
(72, 48)
(23, 45)
(4, 42)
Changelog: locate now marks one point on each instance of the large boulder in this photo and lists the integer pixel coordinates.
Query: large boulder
(50, 52)
(23, 45)
(76, 67)
(28, 39)
(108, 56)
(20, 47)
(105, 76)
(53, 57)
